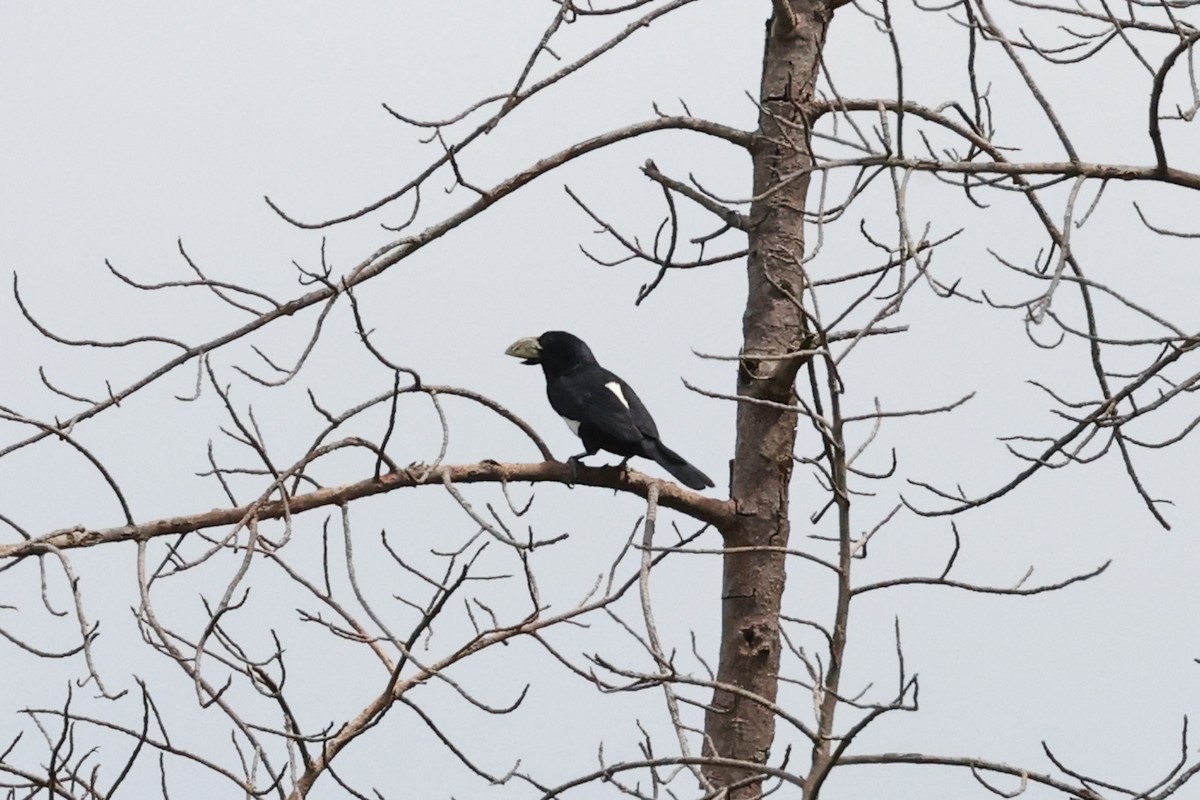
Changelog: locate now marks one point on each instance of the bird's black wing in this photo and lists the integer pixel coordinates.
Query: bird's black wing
(612, 417)
(588, 396)
(637, 410)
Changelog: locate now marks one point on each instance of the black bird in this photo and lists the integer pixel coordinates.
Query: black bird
(600, 408)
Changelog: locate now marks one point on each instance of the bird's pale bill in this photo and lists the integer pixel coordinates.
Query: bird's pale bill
(528, 348)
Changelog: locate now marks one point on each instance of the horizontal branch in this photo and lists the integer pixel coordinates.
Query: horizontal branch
(711, 510)
(975, 765)
(1062, 170)
(974, 587)
(1000, 166)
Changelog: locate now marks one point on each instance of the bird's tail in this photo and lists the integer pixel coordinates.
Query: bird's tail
(678, 466)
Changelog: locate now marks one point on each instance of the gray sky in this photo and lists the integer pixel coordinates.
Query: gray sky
(127, 126)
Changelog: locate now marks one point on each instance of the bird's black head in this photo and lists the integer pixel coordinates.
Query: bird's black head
(556, 351)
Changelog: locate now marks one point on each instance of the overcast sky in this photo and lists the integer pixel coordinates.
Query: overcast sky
(129, 126)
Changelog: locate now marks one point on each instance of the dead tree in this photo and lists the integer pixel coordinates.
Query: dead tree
(244, 601)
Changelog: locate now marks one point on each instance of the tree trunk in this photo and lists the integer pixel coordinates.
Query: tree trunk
(737, 726)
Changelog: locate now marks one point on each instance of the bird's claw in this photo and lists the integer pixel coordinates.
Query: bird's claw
(623, 467)
(573, 462)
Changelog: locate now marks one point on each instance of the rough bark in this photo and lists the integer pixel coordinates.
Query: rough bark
(739, 727)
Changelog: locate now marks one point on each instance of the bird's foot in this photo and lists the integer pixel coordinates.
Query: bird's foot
(573, 463)
(623, 468)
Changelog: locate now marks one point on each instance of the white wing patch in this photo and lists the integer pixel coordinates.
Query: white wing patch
(615, 388)
(572, 424)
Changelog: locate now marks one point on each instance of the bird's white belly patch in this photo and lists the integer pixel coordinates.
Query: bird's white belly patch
(615, 388)
(572, 424)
